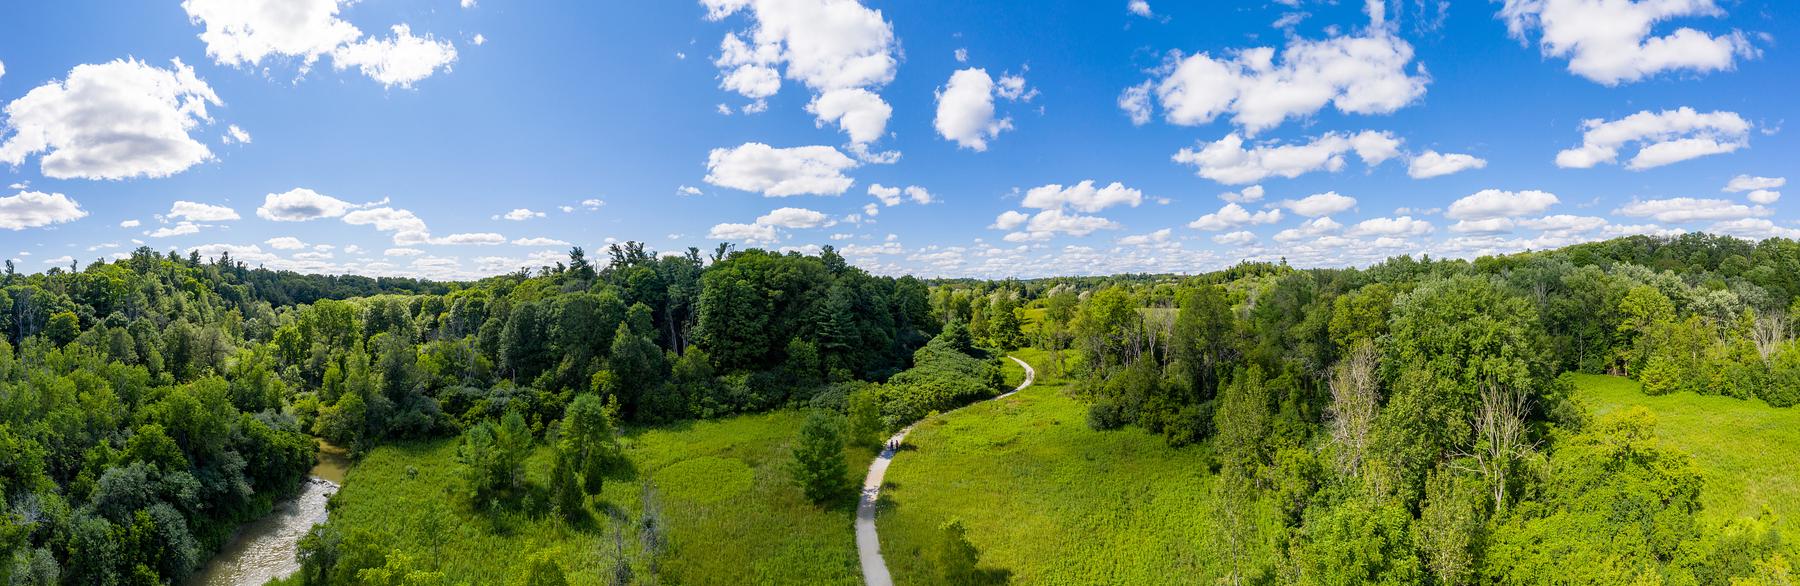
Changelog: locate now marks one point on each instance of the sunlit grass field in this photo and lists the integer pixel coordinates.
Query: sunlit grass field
(1044, 498)
(1749, 451)
(731, 514)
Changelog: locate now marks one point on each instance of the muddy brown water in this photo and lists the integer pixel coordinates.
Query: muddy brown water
(263, 550)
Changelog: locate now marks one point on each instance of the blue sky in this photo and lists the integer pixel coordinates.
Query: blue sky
(1367, 129)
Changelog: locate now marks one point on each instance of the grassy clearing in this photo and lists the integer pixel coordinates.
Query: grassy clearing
(1749, 451)
(730, 513)
(1046, 499)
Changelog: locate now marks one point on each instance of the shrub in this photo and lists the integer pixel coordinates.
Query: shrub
(1105, 416)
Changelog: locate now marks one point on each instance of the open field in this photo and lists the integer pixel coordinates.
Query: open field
(1044, 498)
(1749, 451)
(730, 511)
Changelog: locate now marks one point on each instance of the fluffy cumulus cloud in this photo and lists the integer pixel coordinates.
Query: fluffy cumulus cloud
(965, 112)
(1762, 190)
(1489, 204)
(1665, 137)
(1614, 41)
(892, 196)
(1688, 209)
(840, 49)
(472, 239)
(1320, 204)
(245, 32)
(285, 243)
(1048, 224)
(746, 232)
(1233, 216)
(200, 212)
(36, 209)
(1434, 164)
(1238, 238)
(540, 241)
(1367, 73)
(1309, 230)
(780, 172)
(1010, 220)
(1152, 239)
(113, 120)
(1082, 196)
(399, 60)
(1228, 161)
(1400, 227)
(1753, 228)
(1249, 194)
(300, 205)
(794, 218)
(1140, 8)
(519, 215)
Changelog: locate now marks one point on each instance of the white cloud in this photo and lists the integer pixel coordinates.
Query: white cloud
(481, 39)
(36, 209)
(592, 204)
(1484, 226)
(244, 32)
(539, 242)
(1153, 238)
(1494, 203)
(1669, 136)
(746, 232)
(1753, 228)
(687, 191)
(1400, 226)
(1135, 101)
(859, 112)
(1010, 220)
(402, 252)
(114, 120)
(199, 212)
(1309, 229)
(519, 215)
(1611, 42)
(1249, 194)
(1238, 238)
(794, 218)
(1743, 183)
(827, 45)
(236, 135)
(1320, 204)
(400, 60)
(1228, 162)
(408, 228)
(1687, 209)
(1082, 196)
(965, 110)
(1434, 164)
(1564, 223)
(1763, 196)
(285, 243)
(130, 224)
(1139, 7)
(474, 238)
(179, 229)
(1356, 74)
(1232, 216)
(780, 172)
(889, 196)
(1048, 223)
(300, 205)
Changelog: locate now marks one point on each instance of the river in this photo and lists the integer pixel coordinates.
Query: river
(263, 550)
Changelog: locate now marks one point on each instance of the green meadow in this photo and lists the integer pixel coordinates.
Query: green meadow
(1749, 451)
(730, 513)
(1045, 499)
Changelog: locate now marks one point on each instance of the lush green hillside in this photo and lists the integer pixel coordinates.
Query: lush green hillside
(1748, 451)
(730, 511)
(1046, 499)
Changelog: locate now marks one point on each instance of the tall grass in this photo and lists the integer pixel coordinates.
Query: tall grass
(1749, 451)
(731, 515)
(1044, 498)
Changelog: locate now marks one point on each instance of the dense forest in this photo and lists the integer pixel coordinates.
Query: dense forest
(150, 405)
(1410, 422)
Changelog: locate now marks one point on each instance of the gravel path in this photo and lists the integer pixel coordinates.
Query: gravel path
(868, 546)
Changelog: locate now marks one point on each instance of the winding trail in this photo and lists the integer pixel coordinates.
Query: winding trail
(868, 546)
